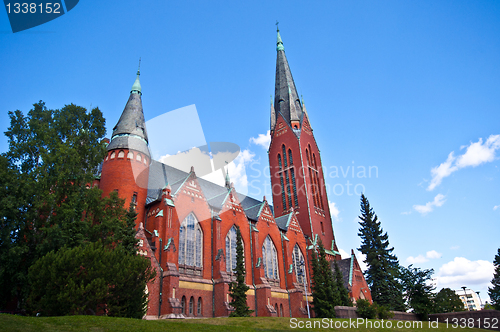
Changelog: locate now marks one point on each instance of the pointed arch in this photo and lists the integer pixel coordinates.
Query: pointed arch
(190, 242)
(270, 259)
(231, 249)
(298, 258)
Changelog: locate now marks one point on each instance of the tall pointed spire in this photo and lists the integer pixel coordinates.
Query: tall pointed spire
(286, 99)
(273, 115)
(279, 42)
(136, 88)
(227, 180)
(130, 131)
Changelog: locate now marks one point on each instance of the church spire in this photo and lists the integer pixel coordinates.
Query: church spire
(227, 180)
(130, 131)
(136, 88)
(286, 99)
(273, 115)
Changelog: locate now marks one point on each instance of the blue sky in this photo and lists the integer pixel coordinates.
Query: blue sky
(395, 85)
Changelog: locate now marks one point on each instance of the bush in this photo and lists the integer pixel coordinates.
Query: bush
(365, 309)
(372, 311)
(89, 279)
(384, 312)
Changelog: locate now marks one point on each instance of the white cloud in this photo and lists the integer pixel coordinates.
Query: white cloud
(334, 211)
(417, 260)
(463, 272)
(433, 254)
(406, 212)
(236, 170)
(428, 207)
(361, 261)
(496, 207)
(262, 140)
(455, 247)
(344, 253)
(476, 154)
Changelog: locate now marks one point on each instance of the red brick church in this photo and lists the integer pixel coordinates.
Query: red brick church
(186, 225)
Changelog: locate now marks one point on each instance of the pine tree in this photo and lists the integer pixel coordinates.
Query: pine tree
(383, 267)
(494, 292)
(342, 291)
(238, 290)
(324, 291)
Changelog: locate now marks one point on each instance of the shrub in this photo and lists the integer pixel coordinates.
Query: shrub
(365, 309)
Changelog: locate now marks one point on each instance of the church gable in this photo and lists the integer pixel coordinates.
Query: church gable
(231, 202)
(265, 213)
(306, 127)
(293, 224)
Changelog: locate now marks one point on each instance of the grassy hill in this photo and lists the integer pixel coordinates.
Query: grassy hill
(97, 324)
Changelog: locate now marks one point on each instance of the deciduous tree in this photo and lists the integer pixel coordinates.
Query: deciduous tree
(47, 201)
(90, 279)
(446, 300)
(418, 287)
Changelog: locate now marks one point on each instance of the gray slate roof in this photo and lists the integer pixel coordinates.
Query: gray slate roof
(161, 174)
(345, 268)
(283, 221)
(130, 131)
(286, 99)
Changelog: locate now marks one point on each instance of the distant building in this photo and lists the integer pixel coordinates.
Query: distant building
(470, 299)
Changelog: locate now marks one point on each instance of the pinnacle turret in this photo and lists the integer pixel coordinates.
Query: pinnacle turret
(130, 131)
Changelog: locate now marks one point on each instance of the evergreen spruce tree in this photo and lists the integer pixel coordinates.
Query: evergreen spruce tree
(342, 291)
(238, 290)
(494, 292)
(324, 291)
(383, 267)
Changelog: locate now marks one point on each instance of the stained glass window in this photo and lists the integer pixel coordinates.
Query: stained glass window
(297, 259)
(190, 242)
(269, 258)
(231, 250)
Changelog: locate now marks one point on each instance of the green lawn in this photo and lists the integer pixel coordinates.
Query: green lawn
(96, 324)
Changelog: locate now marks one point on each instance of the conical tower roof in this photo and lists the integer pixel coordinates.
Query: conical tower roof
(130, 131)
(286, 99)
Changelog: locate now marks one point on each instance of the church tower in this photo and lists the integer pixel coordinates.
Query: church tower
(297, 178)
(126, 167)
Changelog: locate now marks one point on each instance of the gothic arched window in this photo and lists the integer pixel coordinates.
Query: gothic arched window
(190, 242)
(270, 259)
(191, 306)
(231, 250)
(298, 258)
